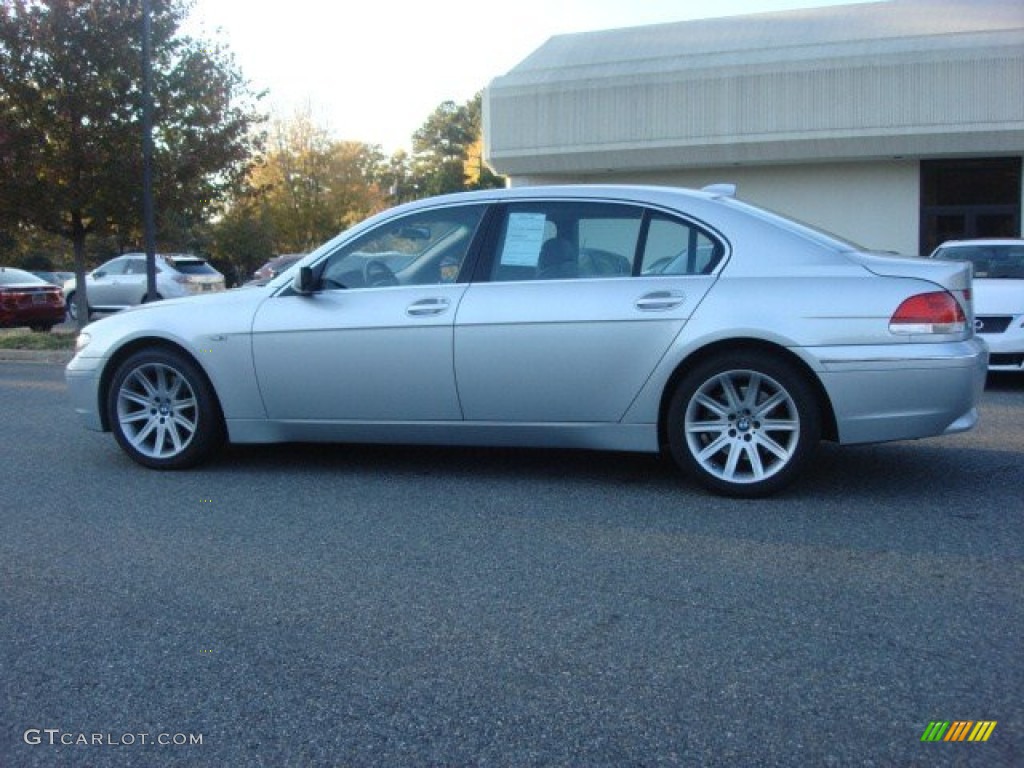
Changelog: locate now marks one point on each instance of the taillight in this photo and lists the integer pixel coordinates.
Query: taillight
(935, 312)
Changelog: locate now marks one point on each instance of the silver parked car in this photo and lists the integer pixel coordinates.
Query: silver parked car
(121, 282)
(621, 318)
(998, 295)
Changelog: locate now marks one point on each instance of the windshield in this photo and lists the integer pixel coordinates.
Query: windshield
(992, 261)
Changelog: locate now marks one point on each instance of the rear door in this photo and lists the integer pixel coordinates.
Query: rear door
(579, 302)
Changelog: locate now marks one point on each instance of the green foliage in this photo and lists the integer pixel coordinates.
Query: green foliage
(307, 188)
(448, 151)
(55, 340)
(70, 119)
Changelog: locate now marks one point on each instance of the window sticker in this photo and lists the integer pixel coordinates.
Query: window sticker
(523, 239)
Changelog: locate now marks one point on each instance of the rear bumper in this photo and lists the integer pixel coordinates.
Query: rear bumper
(904, 392)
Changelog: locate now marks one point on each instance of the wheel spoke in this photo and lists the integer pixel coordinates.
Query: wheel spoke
(733, 399)
(768, 405)
(700, 427)
(735, 451)
(139, 377)
(754, 457)
(781, 453)
(139, 400)
(184, 423)
(712, 405)
(139, 438)
(780, 425)
(752, 391)
(714, 447)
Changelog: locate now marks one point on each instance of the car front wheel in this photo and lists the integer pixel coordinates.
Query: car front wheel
(163, 411)
(743, 423)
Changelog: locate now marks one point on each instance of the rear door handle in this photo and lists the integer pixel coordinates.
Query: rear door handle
(427, 307)
(660, 300)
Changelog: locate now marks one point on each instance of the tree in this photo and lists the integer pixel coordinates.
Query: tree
(308, 188)
(70, 119)
(448, 150)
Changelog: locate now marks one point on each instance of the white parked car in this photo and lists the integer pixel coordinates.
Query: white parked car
(607, 317)
(121, 282)
(998, 295)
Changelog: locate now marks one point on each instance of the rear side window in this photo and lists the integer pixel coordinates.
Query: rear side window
(675, 247)
(192, 266)
(586, 240)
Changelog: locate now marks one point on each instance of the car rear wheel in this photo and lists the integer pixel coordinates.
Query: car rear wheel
(163, 411)
(72, 307)
(743, 423)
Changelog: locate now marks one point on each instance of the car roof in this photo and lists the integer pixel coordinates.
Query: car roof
(983, 241)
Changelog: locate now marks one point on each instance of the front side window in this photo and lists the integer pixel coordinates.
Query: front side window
(558, 241)
(113, 267)
(136, 267)
(425, 248)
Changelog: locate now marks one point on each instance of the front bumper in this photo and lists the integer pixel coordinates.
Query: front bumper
(1007, 348)
(83, 379)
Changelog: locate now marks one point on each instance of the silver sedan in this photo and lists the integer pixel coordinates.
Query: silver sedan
(618, 318)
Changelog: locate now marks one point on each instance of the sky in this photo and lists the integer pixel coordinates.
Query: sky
(374, 70)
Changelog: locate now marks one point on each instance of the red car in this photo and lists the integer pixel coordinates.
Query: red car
(28, 300)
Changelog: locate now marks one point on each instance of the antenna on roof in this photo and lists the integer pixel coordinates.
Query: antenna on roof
(720, 190)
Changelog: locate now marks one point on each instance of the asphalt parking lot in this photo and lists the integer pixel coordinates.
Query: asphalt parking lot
(370, 606)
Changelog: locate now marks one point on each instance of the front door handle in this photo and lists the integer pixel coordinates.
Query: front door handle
(427, 307)
(660, 300)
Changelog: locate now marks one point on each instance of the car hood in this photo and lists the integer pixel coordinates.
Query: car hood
(187, 318)
(1002, 296)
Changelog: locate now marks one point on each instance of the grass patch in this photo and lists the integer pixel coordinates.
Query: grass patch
(22, 339)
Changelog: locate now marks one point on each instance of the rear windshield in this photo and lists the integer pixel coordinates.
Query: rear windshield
(989, 261)
(19, 277)
(191, 266)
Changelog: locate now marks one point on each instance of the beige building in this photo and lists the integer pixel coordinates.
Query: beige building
(897, 124)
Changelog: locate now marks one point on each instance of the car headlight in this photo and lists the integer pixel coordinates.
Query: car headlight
(82, 341)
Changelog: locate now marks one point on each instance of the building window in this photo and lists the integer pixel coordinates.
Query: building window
(969, 198)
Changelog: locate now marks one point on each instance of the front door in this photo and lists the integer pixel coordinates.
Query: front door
(374, 341)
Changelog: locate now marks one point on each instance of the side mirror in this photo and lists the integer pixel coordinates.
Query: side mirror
(99, 273)
(304, 283)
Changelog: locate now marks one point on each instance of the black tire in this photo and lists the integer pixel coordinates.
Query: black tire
(41, 327)
(162, 410)
(744, 423)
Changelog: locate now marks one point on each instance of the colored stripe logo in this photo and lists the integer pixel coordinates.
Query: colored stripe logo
(958, 730)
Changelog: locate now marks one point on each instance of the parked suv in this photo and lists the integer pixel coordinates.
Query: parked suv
(121, 282)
